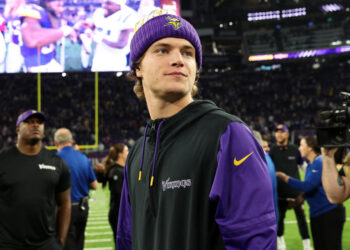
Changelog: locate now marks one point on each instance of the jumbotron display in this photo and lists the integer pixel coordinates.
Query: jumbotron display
(71, 35)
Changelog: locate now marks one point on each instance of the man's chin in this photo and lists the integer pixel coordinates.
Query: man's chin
(34, 141)
(174, 96)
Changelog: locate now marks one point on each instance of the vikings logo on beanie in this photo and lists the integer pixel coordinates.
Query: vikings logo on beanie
(161, 24)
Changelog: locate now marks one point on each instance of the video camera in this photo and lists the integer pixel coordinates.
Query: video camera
(334, 131)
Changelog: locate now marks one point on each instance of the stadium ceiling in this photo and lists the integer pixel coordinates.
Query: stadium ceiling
(268, 4)
(238, 9)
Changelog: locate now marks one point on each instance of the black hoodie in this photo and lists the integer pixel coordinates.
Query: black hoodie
(173, 196)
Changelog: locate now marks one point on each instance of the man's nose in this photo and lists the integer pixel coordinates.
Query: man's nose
(36, 124)
(177, 59)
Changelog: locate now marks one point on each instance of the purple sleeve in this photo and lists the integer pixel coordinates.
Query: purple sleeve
(242, 191)
(123, 240)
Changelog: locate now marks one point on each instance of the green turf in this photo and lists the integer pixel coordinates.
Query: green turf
(99, 234)
(293, 238)
(292, 235)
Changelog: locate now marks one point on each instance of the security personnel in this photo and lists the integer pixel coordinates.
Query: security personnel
(83, 178)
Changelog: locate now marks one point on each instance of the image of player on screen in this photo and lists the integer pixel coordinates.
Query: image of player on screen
(113, 28)
(85, 37)
(2, 44)
(42, 28)
(86, 48)
(14, 60)
(146, 7)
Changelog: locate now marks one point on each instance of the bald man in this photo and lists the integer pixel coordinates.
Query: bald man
(83, 178)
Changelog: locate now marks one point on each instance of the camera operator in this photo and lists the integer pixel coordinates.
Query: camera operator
(336, 186)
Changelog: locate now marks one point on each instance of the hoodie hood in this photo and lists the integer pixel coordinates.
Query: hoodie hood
(167, 128)
(174, 124)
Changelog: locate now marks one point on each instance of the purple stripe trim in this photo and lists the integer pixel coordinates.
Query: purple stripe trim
(143, 147)
(156, 147)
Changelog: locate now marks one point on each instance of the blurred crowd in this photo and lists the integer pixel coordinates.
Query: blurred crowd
(292, 95)
(307, 35)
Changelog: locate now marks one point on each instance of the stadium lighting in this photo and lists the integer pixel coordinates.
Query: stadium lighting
(277, 14)
(316, 65)
(299, 54)
(336, 43)
(64, 74)
(293, 12)
(332, 7)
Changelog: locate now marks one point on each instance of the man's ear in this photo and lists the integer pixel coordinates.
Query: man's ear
(138, 72)
(17, 129)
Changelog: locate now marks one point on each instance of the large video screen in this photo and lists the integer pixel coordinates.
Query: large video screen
(70, 35)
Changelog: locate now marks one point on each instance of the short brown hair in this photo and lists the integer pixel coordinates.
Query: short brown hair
(311, 141)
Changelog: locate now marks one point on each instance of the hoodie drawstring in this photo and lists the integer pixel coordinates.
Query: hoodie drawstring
(155, 153)
(143, 151)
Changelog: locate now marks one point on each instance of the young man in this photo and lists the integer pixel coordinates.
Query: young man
(33, 181)
(286, 158)
(197, 179)
(83, 179)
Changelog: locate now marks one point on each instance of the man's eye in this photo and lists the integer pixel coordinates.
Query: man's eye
(161, 51)
(188, 53)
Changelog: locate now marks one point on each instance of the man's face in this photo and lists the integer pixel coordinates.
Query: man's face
(31, 129)
(265, 146)
(304, 148)
(110, 7)
(281, 136)
(168, 69)
(124, 155)
(56, 6)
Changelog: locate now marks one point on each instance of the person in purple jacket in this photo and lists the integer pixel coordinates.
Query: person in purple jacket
(197, 179)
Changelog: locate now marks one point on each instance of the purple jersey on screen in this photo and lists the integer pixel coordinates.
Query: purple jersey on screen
(39, 55)
(14, 29)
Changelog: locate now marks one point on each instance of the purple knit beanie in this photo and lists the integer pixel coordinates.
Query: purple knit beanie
(157, 25)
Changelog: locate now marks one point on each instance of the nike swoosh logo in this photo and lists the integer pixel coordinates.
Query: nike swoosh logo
(237, 163)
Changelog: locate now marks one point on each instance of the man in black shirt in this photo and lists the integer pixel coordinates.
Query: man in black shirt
(286, 158)
(33, 181)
